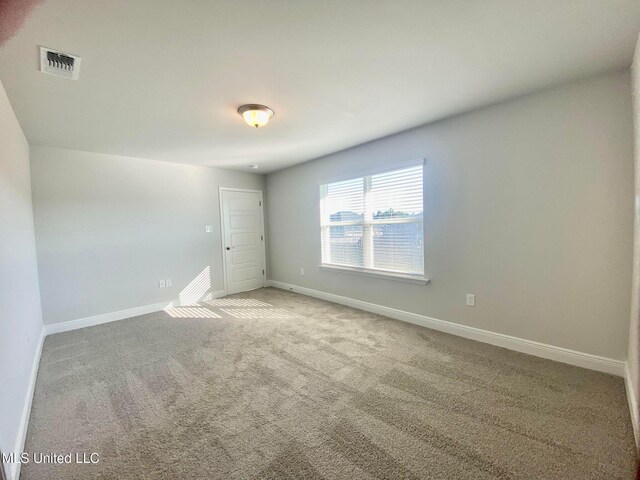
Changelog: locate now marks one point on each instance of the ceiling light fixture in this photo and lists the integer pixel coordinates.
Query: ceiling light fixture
(255, 115)
(255, 167)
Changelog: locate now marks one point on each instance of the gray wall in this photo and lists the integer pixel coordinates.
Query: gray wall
(109, 227)
(529, 205)
(20, 315)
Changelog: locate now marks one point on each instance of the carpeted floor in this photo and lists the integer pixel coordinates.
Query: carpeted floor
(271, 384)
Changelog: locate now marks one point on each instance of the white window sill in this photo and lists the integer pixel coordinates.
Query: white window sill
(376, 274)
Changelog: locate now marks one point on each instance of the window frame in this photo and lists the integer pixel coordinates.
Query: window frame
(367, 226)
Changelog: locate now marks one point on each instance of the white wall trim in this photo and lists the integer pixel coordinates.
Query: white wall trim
(559, 354)
(104, 318)
(115, 316)
(372, 273)
(219, 294)
(633, 404)
(14, 468)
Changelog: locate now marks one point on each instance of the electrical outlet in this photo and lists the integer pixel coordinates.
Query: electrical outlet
(471, 300)
(162, 283)
(168, 282)
(301, 271)
(208, 228)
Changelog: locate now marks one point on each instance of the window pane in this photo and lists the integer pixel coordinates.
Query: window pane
(345, 243)
(344, 201)
(396, 194)
(383, 217)
(399, 247)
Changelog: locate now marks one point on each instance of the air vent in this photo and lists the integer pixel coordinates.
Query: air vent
(59, 64)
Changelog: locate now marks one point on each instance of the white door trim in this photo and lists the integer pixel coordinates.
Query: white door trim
(223, 235)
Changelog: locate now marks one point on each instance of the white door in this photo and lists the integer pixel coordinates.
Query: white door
(243, 239)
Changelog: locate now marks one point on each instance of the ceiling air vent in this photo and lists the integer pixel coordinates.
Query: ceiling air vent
(59, 64)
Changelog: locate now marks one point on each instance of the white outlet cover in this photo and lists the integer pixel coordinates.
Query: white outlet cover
(168, 282)
(471, 300)
(208, 228)
(162, 284)
(301, 271)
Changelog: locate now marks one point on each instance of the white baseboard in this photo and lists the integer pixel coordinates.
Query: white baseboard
(633, 404)
(104, 318)
(559, 354)
(114, 316)
(218, 294)
(14, 469)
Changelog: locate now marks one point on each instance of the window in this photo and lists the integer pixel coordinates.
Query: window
(374, 223)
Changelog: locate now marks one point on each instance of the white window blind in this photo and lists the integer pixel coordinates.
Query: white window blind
(375, 222)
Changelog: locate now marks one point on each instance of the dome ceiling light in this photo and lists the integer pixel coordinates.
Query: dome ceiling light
(255, 115)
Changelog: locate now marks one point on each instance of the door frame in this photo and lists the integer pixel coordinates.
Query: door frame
(223, 234)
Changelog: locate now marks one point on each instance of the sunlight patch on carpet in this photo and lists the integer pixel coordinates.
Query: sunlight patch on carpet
(237, 302)
(191, 312)
(275, 313)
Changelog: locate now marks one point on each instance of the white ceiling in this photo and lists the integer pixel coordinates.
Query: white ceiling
(162, 79)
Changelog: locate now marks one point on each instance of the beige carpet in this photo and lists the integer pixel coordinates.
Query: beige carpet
(272, 384)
